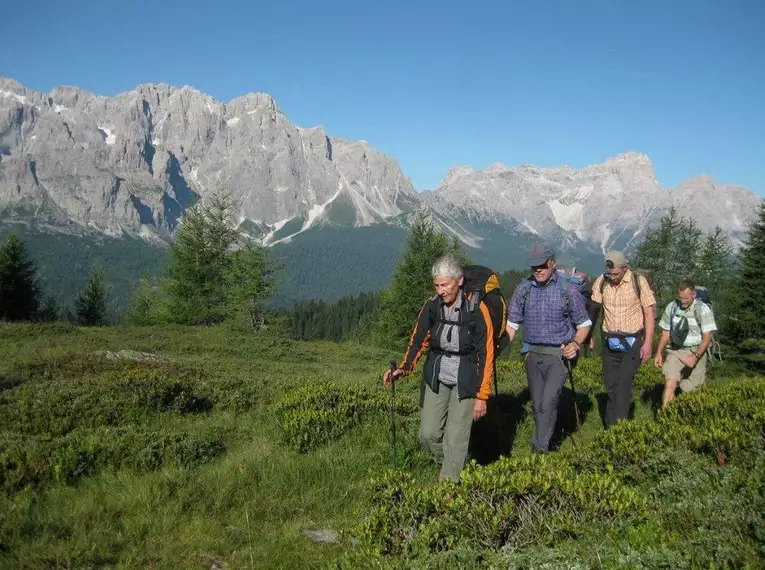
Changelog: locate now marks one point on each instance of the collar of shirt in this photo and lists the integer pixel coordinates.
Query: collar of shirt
(626, 278)
(679, 310)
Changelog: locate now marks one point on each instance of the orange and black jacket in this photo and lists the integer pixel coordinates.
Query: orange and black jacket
(476, 347)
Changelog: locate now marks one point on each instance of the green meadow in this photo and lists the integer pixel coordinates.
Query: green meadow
(205, 447)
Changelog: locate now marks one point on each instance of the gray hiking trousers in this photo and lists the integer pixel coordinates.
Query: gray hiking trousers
(546, 374)
(445, 428)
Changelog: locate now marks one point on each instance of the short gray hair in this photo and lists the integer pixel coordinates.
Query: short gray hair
(447, 265)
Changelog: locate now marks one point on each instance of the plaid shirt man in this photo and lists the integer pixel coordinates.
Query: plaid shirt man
(542, 312)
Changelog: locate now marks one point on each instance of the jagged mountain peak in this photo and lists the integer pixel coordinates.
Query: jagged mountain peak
(134, 162)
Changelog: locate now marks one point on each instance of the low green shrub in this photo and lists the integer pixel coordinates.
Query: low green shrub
(30, 460)
(721, 421)
(117, 397)
(643, 494)
(319, 413)
(493, 507)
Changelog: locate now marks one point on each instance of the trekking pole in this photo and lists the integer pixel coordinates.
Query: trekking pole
(393, 368)
(573, 397)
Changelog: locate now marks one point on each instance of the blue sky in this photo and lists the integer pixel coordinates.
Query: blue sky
(440, 84)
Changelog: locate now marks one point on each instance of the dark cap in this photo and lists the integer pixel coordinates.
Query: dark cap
(539, 254)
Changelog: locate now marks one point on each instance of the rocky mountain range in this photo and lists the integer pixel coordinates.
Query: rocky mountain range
(130, 165)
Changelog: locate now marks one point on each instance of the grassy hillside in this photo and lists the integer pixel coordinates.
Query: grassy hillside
(223, 448)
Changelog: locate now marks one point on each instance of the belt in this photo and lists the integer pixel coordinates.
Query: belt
(638, 333)
(545, 349)
(693, 347)
(441, 351)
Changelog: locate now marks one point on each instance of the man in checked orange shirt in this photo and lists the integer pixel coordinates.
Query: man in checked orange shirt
(629, 317)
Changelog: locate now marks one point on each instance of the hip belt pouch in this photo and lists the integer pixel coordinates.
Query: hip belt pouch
(620, 342)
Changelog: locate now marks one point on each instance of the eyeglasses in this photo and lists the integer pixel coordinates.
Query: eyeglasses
(536, 268)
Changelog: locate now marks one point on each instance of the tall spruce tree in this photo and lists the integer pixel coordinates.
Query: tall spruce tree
(671, 252)
(19, 289)
(90, 306)
(412, 282)
(200, 259)
(749, 304)
(716, 264)
(216, 274)
(147, 305)
(251, 278)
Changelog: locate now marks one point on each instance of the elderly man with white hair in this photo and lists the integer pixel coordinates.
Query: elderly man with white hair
(459, 367)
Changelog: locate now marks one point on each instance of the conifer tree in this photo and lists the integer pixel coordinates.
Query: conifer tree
(90, 304)
(147, 305)
(200, 259)
(412, 282)
(49, 310)
(715, 263)
(251, 278)
(749, 311)
(216, 274)
(671, 252)
(19, 289)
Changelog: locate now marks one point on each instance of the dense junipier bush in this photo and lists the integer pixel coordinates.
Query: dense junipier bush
(721, 422)
(57, 407)
(40, 460)
(56, 400)
(56, 427)
(494, 507)
(684, 491)
(318, 413)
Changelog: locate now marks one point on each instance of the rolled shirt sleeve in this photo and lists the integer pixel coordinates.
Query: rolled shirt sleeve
(707, 323)
(579, 314)
(515, 314)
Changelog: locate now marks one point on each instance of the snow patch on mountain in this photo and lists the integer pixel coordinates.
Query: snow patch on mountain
(20, 98)
(569, 217)
(109, 137)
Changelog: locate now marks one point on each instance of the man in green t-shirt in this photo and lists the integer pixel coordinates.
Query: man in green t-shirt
(687, 325)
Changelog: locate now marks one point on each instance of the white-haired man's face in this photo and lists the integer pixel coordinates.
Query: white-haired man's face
(447, 287)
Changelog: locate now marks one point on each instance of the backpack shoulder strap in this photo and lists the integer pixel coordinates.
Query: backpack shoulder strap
(566, 293)
(475, 298)
(697, 308)
(636, 285)
(433, 308)
(525, 291)
(672, 313)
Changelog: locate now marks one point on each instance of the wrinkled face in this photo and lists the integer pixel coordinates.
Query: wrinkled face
(614, 274)
(447, 287)
(543, 272)
(686, 297)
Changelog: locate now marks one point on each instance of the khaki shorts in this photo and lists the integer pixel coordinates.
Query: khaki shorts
(675, 369)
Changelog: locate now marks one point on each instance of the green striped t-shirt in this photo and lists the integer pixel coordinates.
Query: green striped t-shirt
(695, 329)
